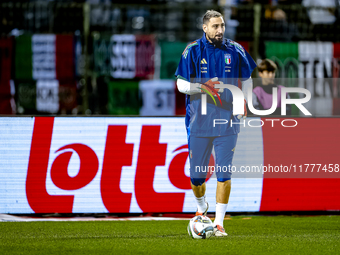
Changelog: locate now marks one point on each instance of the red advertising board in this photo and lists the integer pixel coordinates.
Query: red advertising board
(121, 165)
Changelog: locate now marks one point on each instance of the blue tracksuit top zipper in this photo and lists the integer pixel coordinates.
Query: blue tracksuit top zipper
(215, 62)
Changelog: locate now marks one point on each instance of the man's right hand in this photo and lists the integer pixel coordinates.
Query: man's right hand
(210, 86)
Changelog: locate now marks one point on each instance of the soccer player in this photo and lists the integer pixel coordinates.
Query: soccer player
(206, 63)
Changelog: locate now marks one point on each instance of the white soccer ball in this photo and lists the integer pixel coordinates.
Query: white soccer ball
(200, 227)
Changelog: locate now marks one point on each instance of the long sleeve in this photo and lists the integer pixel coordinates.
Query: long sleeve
(188, 87)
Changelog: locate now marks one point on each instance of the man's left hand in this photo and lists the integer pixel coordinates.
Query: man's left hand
(244, 116)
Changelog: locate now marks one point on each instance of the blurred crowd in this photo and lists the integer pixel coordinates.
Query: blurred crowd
(90, 56)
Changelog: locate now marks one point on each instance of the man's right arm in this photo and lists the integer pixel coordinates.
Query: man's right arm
(186, 70)
(188, 87)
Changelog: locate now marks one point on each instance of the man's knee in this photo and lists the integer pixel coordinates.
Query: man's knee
(197, 181)
(223, 179)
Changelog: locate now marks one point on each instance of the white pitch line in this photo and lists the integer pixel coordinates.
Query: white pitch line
(12, 218)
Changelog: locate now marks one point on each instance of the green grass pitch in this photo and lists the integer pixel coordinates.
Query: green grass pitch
(247, 235)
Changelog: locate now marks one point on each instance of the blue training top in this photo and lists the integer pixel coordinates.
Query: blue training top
(202, 61)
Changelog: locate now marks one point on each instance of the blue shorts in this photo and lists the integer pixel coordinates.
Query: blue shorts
(200, 149)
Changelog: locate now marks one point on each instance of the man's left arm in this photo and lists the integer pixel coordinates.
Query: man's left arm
(246, 84)
(247, 65)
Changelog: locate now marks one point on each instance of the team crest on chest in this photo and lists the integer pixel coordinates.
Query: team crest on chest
(227, 59)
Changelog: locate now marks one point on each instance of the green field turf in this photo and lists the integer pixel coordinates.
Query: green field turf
(247, 235)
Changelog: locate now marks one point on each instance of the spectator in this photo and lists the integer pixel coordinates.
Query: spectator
(262, 94)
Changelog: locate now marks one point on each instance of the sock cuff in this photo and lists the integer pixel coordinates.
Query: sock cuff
(200, 198)
(221, 204)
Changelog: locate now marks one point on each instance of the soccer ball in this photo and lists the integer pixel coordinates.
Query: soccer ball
(200, 227)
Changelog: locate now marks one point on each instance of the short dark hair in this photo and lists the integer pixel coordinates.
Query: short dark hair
(211, 14)
(267, 65)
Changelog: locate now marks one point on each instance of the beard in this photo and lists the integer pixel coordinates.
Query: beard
(216, 40)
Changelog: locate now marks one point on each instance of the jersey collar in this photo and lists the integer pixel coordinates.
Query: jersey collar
(225, 43)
